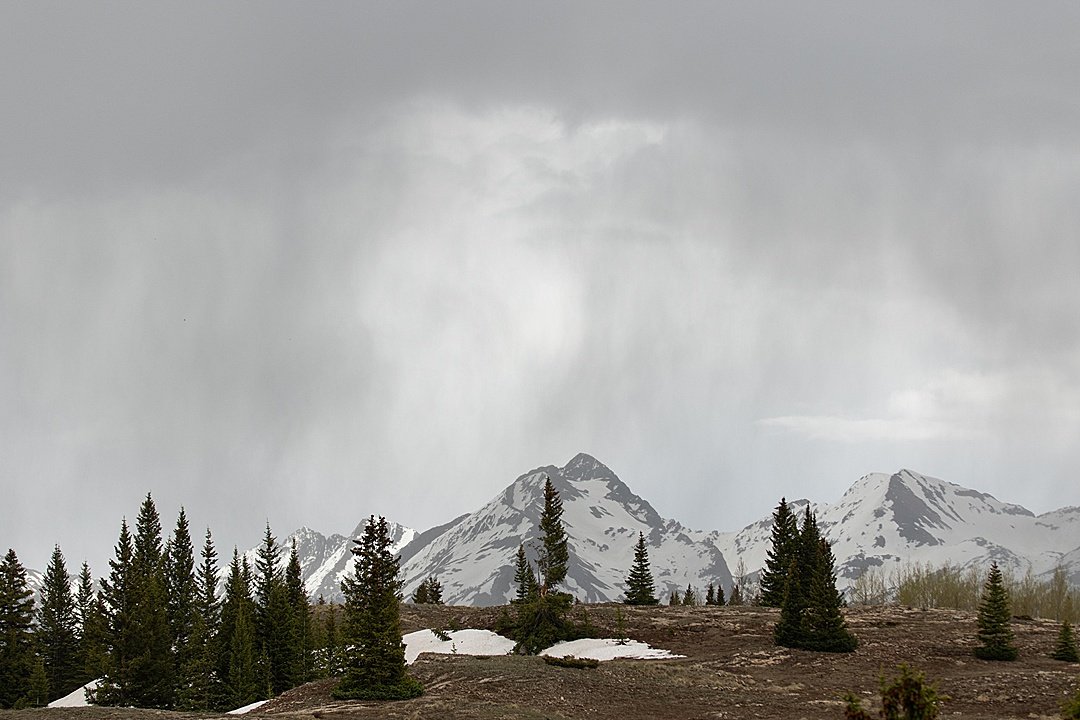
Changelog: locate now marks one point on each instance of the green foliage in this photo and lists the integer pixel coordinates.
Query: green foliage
(673, 599)
(640, 589)
(689, 598)
(117, 609)
(781, 553)
(237, 656)
(554, 551)
(569, 661)
(16, 639)
(524, 577)
(302, 633)
(1070, 709)
(1066, 644)
(906, 697)
(541, 622)
(736, 597)
(91, 623)
(428, 592)
(375, 655)
(38, 694)
(810, 616)
(995, 633)
(181, 592)
(57, 636)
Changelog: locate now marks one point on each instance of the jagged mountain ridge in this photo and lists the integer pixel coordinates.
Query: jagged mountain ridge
(881, 521)
(325, 560)
(473, 555)
(886, 521)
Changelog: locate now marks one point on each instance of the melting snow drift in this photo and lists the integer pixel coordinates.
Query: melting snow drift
(607, 649)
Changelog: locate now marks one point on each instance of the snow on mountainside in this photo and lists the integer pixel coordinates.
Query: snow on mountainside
(473, 556)
(324, 561)
(888, 520)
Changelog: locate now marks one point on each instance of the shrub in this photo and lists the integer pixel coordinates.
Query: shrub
(907, 697)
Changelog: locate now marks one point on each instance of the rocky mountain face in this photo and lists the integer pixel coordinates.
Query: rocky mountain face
(882, 521)
(885, 521)
(473, 556)
(325, 560)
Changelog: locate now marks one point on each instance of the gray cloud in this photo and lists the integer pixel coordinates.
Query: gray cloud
(301, 265)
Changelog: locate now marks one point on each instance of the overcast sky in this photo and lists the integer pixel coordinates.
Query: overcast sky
(306, 262)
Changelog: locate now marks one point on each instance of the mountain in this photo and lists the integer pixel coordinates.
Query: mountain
(882, 521)
(886, 521)
(473, 555)
(324, 561)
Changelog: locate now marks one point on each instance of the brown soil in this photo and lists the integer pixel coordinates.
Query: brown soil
(731, 670)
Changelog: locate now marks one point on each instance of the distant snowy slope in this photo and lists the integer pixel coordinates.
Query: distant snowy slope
(324, 561)
(473, 556)
(888, 520)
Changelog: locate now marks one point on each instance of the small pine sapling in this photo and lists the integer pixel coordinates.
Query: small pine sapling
(906, 697)
(995, 612)
(1065, 649)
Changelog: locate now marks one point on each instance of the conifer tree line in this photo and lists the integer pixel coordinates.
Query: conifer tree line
(154, 631)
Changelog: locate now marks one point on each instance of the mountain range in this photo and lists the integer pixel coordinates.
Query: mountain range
(882, 521)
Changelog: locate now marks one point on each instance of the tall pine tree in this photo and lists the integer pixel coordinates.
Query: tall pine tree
(152, 683)
(778, 558)
(275, 627)
(810, 615)
(297, 597)
(91, 628)
(995, 634)
(57, 631)
(118, 607)
(554, 550)
(16, 631)
(375, 655)
(640, 589)
(199, 685)
(181, 593)
(237, 655)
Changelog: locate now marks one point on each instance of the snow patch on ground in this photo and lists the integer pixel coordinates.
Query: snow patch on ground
(76, 698)
(461, 642)
(607, 649)
(247, 708)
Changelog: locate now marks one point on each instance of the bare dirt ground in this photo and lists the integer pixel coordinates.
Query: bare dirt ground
(731, 670)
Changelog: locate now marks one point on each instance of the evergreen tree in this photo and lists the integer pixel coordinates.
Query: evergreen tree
(1066, 644)
(736, 597)
(275, 628)
(420, 595)
(640, 589)
(297, 597)
(554, 551)
(38, 693)
(674, 598)
(688, 597)
(783, 548)
(201, 682)
(524, 577)
(810, 615)
(57, 637)
(16, 631)
(237, 654)
(995, 611)
(720, 594)
(91, 628)
(824, 628)
(375, 655)
(152, 682)
(117, 606)
(333, 662)
(434, 591)
(181, 593)
(710, 595)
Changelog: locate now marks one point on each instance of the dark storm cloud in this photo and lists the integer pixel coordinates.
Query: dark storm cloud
(259, 256)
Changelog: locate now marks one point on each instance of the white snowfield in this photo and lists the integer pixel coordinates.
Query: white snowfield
(75, 698)
(461, 642)
(485, 642)
(247, 708)
(607, 649)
